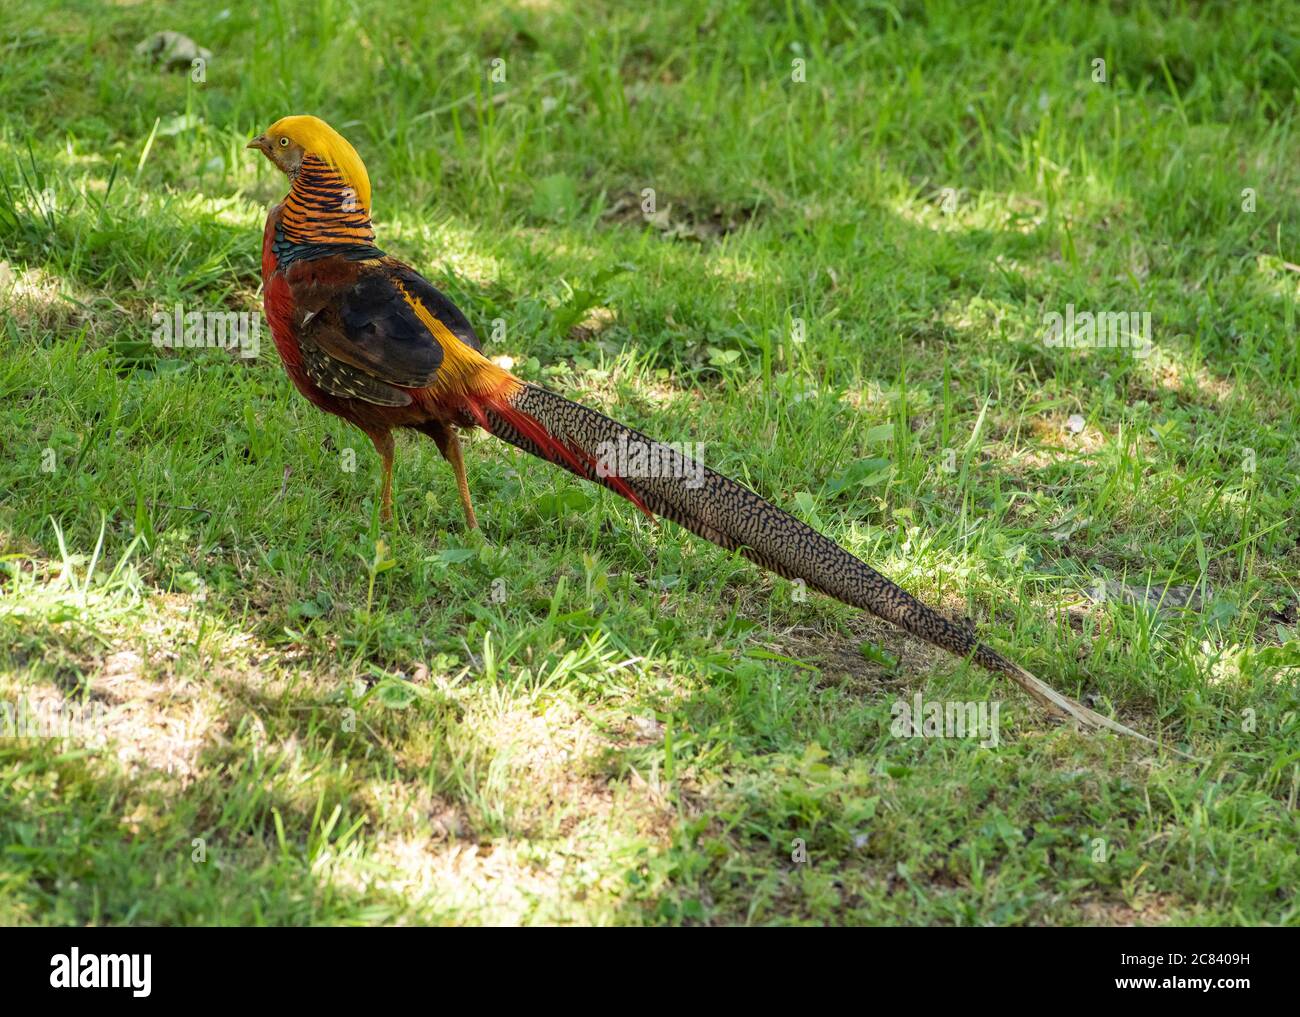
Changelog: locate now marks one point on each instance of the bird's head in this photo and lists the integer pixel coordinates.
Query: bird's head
(290, 140)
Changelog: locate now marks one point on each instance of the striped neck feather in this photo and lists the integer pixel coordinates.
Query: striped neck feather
(321, 208)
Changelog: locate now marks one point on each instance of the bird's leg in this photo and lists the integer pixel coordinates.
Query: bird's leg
(384, 446)
(450, 449)
(448, 443)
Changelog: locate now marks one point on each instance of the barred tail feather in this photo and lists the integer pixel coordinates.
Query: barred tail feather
(732, 516)
(498, 415)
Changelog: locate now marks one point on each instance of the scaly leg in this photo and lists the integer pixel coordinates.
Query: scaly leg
(452, 454)
(449, 445)
(384, 446)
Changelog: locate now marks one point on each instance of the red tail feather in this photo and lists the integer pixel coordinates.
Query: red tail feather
(555, 449)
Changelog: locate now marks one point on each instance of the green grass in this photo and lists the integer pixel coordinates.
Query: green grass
(306, 717)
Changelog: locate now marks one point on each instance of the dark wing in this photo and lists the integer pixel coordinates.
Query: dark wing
(346, 381)
(369, 329)
(439, 305)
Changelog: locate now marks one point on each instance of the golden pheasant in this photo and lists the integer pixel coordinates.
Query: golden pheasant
(367, 338)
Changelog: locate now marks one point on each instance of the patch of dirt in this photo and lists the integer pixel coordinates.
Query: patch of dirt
(554, 752)
(680, 220)
(40, 302)
(597, 320)
(842, 662)
(1152, 909)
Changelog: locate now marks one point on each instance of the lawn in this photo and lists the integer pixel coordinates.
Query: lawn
(827, 241)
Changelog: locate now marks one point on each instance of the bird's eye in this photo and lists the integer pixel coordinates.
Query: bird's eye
(284, 142)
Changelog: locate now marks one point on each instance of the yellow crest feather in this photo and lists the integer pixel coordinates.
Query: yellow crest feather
(320, 139)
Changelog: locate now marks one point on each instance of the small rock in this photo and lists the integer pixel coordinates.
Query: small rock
(173, 50)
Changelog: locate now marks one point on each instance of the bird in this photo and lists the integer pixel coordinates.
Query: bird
(365, 337)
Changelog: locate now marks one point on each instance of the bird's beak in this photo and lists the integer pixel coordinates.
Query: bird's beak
(260, 142)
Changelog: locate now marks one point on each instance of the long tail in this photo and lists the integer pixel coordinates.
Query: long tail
(732, 516)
